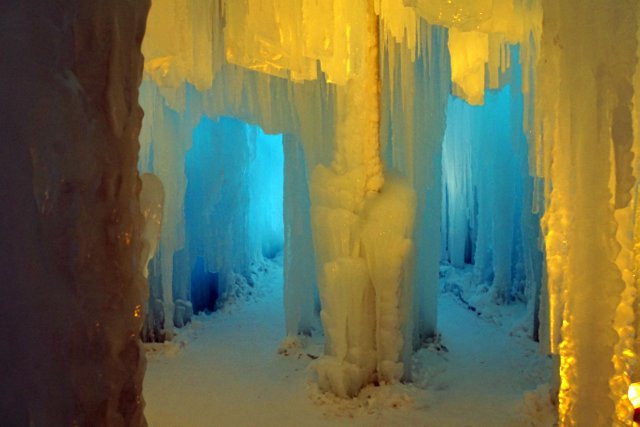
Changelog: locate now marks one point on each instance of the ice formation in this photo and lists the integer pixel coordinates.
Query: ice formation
(72, 282)
(350, 120)
(587, 150)
(488, 211)
(334, 136)
(361, 93)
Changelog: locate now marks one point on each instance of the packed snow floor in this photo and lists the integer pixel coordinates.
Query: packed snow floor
(224, 369)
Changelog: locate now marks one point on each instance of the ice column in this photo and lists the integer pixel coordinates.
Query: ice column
(72, 285)
(362, 233)
(300, 292)
(415, 88)
(585, 118)
(337, 198)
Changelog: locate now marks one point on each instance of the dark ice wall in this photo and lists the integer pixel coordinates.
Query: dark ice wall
(70, 310)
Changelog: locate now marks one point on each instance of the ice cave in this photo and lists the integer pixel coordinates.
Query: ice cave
(320, 213)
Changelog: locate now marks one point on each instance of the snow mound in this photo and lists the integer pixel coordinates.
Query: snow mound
(372, 399)
(252, 287)
(538, 408)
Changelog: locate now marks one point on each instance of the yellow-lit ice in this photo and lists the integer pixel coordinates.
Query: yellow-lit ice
(319, 61)
(306, 68)
(151, 205)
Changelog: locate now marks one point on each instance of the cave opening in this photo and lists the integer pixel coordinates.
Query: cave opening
(394, 139)
(491, 262)
(227, 198)
(491, 205)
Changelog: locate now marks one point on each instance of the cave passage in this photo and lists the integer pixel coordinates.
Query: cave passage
(491, 212)
(396, 183)
(232, 220)
(484, 358)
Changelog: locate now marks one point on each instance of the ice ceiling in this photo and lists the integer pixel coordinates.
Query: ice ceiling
(505, 132)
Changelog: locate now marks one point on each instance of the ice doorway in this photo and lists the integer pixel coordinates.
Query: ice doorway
(233, 208)
(222, 218)
(490, 216)
(492, 266)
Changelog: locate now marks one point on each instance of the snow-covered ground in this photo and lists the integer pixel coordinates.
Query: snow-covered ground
(224, 369)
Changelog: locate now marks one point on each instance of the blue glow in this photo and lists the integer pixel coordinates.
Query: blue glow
(233, 204)
(488, 217)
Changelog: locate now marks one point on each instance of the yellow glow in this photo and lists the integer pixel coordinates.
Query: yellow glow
(288, 39)
(567, 376)
(634, 395)
(465, 14)
(469, 53)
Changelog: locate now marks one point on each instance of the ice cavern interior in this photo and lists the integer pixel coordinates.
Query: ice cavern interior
(320, 213)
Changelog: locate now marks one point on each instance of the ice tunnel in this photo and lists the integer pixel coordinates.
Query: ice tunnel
(223, 212)
(429, 169)
(491, 211)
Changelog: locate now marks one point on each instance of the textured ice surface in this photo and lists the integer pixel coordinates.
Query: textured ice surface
(72, 219)
(72, 282)
(585, 153)
(488, 196)
(227, 181)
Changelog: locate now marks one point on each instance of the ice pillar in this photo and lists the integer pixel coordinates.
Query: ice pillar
(299, 269)
(362, 229)
(585, 113)
(72, 286)
(415, 88)
(338, 195)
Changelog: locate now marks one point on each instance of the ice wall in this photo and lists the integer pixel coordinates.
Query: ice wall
(233, 201)
(489, 194)
(302, 110)
(165, 138)
(301, 300)
(415, 88)
(73, 287)
(584, 129)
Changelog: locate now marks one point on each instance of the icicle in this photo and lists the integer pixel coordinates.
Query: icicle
(151, 206)
(580, 111)
(299, 268)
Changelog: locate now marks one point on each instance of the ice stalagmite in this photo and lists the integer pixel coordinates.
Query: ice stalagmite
(362, 230)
